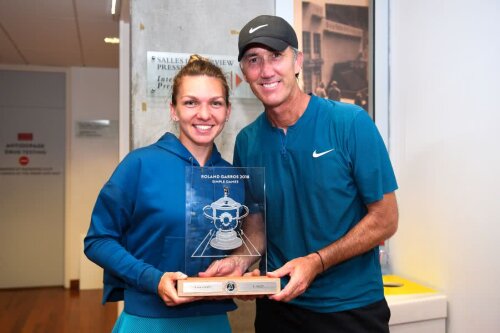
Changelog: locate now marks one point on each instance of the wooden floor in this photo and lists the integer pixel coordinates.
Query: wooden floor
(55, 310)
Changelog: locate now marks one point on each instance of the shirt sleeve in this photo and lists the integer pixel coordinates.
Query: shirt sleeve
(372, 168)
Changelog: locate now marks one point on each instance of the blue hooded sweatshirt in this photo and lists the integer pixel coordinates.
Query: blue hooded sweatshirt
(137, 229)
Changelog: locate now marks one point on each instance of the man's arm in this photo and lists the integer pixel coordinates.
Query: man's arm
(380, 223)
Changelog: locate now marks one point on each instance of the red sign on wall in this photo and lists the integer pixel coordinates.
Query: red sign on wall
(24, 136)
(24, 160)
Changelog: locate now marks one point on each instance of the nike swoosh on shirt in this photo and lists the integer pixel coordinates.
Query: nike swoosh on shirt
(252, 30)
(316, 154)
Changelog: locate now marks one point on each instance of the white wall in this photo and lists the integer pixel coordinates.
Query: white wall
(32, 194)
(93, 94)
(124, 88)
(445, 115)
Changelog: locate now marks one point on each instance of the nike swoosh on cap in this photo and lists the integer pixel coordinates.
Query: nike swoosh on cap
(316, 154)
(252, 30)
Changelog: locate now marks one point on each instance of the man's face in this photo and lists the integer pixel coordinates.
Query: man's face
(271, 74)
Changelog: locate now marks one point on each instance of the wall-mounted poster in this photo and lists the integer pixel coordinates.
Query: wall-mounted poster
(337, 45)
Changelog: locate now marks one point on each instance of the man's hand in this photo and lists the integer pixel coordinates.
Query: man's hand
(255, 272)
(229, 266)
(168, 292)
(302, 272)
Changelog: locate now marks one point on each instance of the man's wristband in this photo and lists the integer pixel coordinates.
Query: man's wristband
(320, 258)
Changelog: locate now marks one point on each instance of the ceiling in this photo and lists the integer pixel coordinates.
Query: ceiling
(61, 33)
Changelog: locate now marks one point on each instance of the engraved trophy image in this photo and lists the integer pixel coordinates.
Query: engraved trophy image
(219, 200)
(225, 215)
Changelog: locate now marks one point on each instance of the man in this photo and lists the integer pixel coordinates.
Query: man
(320, 90)
(329, 194)
(333, 91)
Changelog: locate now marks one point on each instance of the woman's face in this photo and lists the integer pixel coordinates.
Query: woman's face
(201, 110)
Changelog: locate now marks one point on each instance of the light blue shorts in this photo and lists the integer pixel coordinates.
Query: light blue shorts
(128, 323)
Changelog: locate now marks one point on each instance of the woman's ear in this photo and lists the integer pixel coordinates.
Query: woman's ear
(173, 113)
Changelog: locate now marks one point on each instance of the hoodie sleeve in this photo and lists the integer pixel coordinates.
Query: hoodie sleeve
(110, 220)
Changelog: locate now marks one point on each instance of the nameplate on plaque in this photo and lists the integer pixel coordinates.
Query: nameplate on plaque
(220, 286)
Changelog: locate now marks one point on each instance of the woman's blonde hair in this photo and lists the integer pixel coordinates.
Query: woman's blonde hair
(198, 65)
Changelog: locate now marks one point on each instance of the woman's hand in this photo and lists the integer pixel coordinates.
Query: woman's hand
(168, 292)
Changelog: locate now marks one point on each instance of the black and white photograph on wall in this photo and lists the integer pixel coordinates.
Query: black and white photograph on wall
(336, 44)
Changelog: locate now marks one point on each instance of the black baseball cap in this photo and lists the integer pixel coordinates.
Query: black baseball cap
(271, 31)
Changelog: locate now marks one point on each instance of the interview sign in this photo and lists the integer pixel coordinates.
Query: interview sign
(163, 66)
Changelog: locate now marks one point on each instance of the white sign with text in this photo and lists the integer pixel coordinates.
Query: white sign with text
(162, 67)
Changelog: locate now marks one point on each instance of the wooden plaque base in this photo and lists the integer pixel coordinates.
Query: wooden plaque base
(230, 285)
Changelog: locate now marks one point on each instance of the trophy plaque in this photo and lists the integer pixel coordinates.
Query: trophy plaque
(224, 286)
(225, 217)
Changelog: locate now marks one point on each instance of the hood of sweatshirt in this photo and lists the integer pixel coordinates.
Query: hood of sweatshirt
(172, 144)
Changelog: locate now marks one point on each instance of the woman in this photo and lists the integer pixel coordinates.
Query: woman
(137, 231)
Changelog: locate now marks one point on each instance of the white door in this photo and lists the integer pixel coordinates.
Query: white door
(32, 155)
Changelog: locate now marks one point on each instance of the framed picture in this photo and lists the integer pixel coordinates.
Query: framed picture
(337, 41)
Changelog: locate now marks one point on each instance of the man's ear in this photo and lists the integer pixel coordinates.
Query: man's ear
(299, 62)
